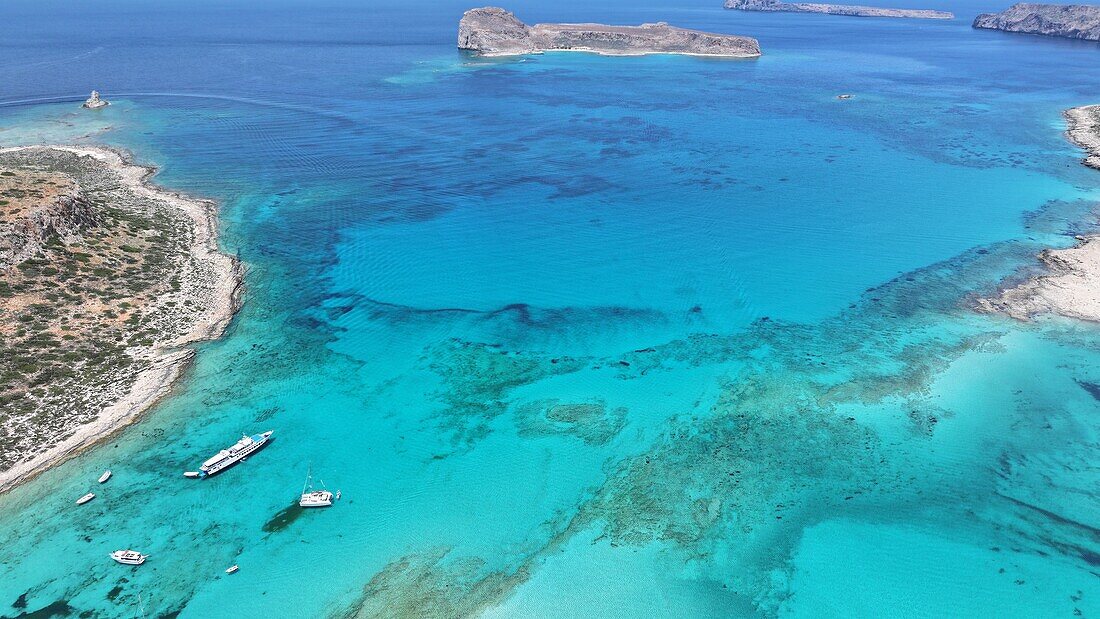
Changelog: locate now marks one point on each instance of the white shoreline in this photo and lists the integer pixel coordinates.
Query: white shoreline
(1070, 287)
(598, 52)
(169, 358)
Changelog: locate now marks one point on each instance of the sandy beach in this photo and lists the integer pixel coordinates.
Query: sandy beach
(211, 281)
(1071, 285)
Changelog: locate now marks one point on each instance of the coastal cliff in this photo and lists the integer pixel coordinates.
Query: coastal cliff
(1073, 21)
(492, 31)
(1071, 285)
(834, 9)
(104, 282)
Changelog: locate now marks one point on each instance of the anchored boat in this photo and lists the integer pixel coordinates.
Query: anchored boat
(105, 476)
(129, 557)
(84, 499)
(237, 452)
(314, 498)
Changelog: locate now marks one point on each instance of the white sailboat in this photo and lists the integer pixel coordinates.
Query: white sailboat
(314, 498)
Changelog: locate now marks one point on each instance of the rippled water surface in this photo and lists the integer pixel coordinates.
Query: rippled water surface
(586, 336)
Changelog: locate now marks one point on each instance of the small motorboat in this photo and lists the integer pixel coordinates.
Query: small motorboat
(129, 557)
(105, 476)
(337, 495)
(84, 499)
(191, 474)
(232, 569)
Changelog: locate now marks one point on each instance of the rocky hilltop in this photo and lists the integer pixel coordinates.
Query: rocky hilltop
(1074, 21)
(492, 31)
(834, 9)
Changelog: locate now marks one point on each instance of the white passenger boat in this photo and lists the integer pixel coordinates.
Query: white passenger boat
(105, 476)
(84, 499)
(129, 557)
(314, 498)
(191, 474)
(236, 452)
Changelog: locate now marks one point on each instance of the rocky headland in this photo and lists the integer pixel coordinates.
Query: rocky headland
(1073, 21)
(104, 282)
(492, 31)
(834, 9)
(1070, 286)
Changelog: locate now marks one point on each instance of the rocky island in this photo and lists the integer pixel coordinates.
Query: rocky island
(1073, 21)
(1071, 285)
(492, 31)
(104, 282)
(834, 9)
(94, 102)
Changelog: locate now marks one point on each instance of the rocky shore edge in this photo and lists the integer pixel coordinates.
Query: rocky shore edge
(850, 10)
(169, 358)
(1071, 21)
(1070, 287)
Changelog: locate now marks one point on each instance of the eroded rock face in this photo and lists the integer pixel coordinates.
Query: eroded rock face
(54, 213)
(1074, 21)
(492, 31)
(834, 9)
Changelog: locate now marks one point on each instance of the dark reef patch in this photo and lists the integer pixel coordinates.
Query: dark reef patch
(59, 608)
(479, 376)
(592, 422)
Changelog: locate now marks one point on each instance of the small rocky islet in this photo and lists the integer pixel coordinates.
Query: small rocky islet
(493, 31)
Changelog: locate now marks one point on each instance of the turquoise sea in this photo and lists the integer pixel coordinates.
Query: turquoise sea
(580, 336)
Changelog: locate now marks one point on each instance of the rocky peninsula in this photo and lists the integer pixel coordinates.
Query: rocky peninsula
(1073, 21)
(492, 31)
(105, 282)
(1071, 285)
(834, 9)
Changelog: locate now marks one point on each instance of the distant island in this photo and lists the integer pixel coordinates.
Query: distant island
(104, 282)
(1073, 21)
(492, 31)
(834, 9)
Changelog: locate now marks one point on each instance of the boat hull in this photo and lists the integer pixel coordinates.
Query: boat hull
(236, 458)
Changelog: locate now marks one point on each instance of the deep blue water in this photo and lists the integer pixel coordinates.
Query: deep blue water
(585, 336)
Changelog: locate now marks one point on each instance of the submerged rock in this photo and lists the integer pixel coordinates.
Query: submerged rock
(1074, 21)
(493, 31)
(834, 9)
